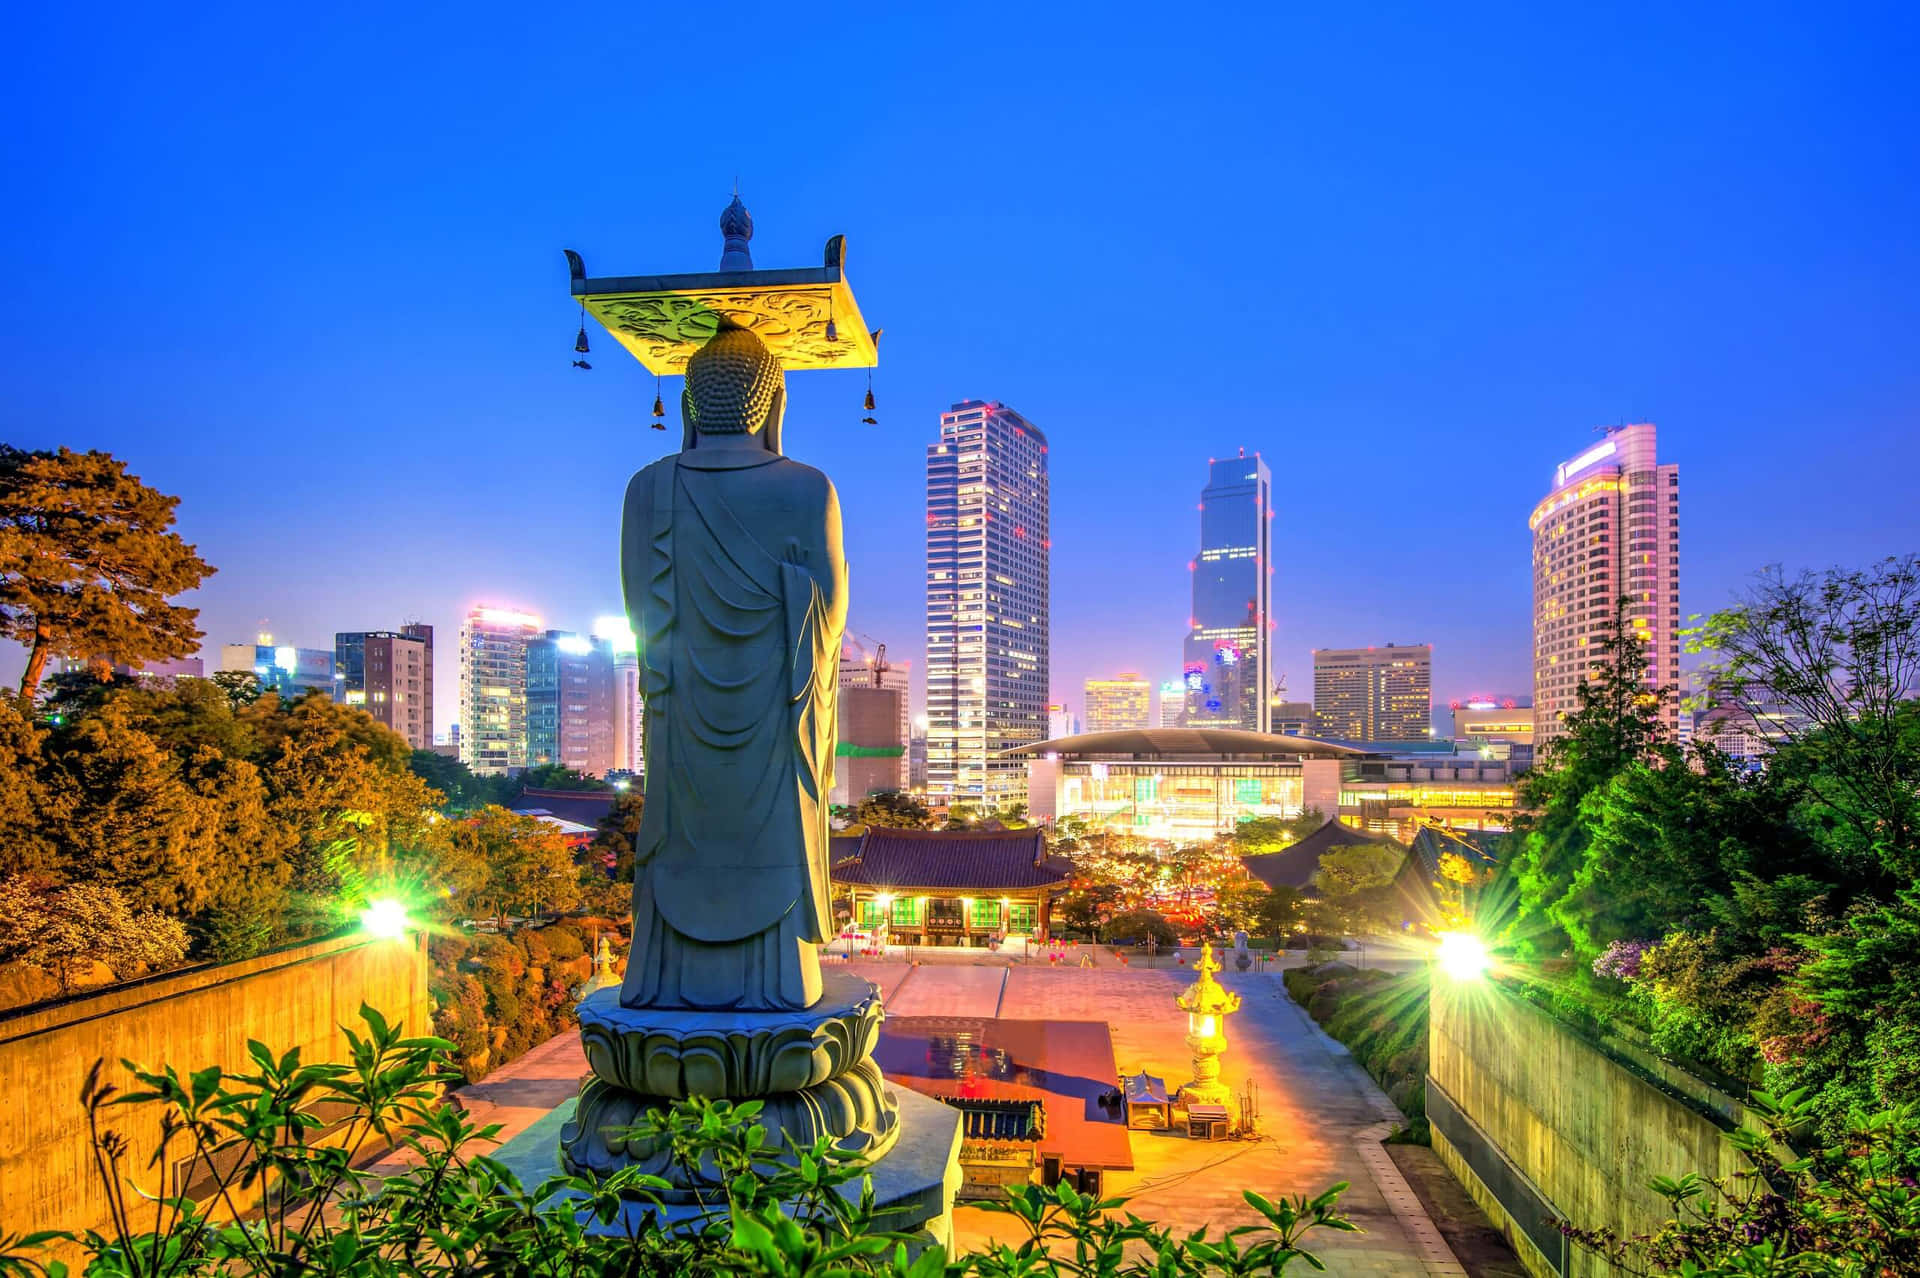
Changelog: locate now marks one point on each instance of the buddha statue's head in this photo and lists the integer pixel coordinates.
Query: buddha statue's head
(734, 387)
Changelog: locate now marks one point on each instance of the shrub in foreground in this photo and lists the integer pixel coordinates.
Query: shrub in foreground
(286, 1203)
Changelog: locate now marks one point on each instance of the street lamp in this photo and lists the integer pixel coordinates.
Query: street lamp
(1462, 956)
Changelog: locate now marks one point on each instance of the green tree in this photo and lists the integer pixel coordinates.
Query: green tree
(1256, 835)
(893, 810)
(1142, 925)
(1829, 664)
(558, 776)
(462, 789)
(88, 563)
(502, 862)
(1355, 883)
(1283, 913)
(1668, 840)
(1616, 723)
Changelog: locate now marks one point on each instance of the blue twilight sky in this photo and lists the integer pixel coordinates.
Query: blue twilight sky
(301, 266)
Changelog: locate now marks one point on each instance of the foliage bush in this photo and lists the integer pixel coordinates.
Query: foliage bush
(1849, 1209)
(291, 1207)
(496, 997)
(1140, 926)
(1382, 1019)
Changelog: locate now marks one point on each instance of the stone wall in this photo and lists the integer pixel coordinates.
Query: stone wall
(1541, 1123)
(298, 996)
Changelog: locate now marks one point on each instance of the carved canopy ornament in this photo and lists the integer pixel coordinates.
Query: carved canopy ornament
(807, 317)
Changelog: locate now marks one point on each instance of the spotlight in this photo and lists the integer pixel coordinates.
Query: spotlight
(1463, 956)
(385, 918)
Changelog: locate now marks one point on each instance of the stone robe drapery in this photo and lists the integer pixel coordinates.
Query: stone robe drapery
(736, 588)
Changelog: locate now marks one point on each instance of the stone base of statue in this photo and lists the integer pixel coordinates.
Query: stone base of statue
(812, 1071)
(913, 1186)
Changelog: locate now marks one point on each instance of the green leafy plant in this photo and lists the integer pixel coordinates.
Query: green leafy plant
(270, 1182)
(1850, 1208)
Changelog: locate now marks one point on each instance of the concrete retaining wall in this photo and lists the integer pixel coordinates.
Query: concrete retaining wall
(295, 997)
(1542, 1124)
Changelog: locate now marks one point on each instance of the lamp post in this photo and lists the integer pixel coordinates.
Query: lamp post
(1207, 1005)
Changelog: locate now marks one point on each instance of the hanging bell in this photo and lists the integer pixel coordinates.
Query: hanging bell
(833, 331)
(580, 342)
(869, 404)
(659, 408)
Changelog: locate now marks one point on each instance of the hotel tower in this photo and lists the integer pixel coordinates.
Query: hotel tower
(493, 688)
(1229, 647)
(1610, 528)
(987, 544)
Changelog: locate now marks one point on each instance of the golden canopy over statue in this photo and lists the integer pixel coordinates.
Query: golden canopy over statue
(736, 585)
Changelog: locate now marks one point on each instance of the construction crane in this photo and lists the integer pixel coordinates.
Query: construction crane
(874, 656)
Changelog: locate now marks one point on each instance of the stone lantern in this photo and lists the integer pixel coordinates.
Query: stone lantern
(1207, 1004)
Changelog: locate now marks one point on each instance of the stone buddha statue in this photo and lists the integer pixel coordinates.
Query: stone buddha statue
(736, 584)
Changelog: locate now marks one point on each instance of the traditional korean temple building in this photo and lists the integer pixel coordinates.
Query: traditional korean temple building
(949, 887)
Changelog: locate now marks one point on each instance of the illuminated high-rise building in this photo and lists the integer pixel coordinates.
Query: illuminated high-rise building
(1229, 646)
(987, 625)
(1374, 694)
(389, 674)
(493, 687)
(1120, 704)
(570, 703)
(628, 710)
(1610, 528)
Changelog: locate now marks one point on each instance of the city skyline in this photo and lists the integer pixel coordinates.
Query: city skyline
(1444, 300)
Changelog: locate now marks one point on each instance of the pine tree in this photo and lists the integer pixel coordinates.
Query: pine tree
(88, 563)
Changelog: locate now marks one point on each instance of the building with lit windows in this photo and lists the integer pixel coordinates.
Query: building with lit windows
(1502, 728)
(570, 702)
(1229, 647)
(280, 668)
(493, 687)
(629, 711)
(1374, 694)
(1610, 528)
(948, 887)
(1190, 784)
(389, 674)
(1292, 718)
(1118, 704)
(1172, 710)
(987, 600)
(1184, 783)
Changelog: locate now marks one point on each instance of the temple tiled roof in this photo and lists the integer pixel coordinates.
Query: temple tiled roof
(1295, 866)
(585, 807)
(983, 861)
(1477, 846)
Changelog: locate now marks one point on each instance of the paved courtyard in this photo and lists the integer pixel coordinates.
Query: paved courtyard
(1321, 1117)
(1314, 1101)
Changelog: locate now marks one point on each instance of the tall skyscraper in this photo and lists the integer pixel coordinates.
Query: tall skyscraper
(389, 674)
(628, 710)
(987, 623)
(570, 702)
(1120, 704)
(1374, 694)
(857, 671)
(1610, 528)
(1229, 647)
(280, 668)
(493, 687)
